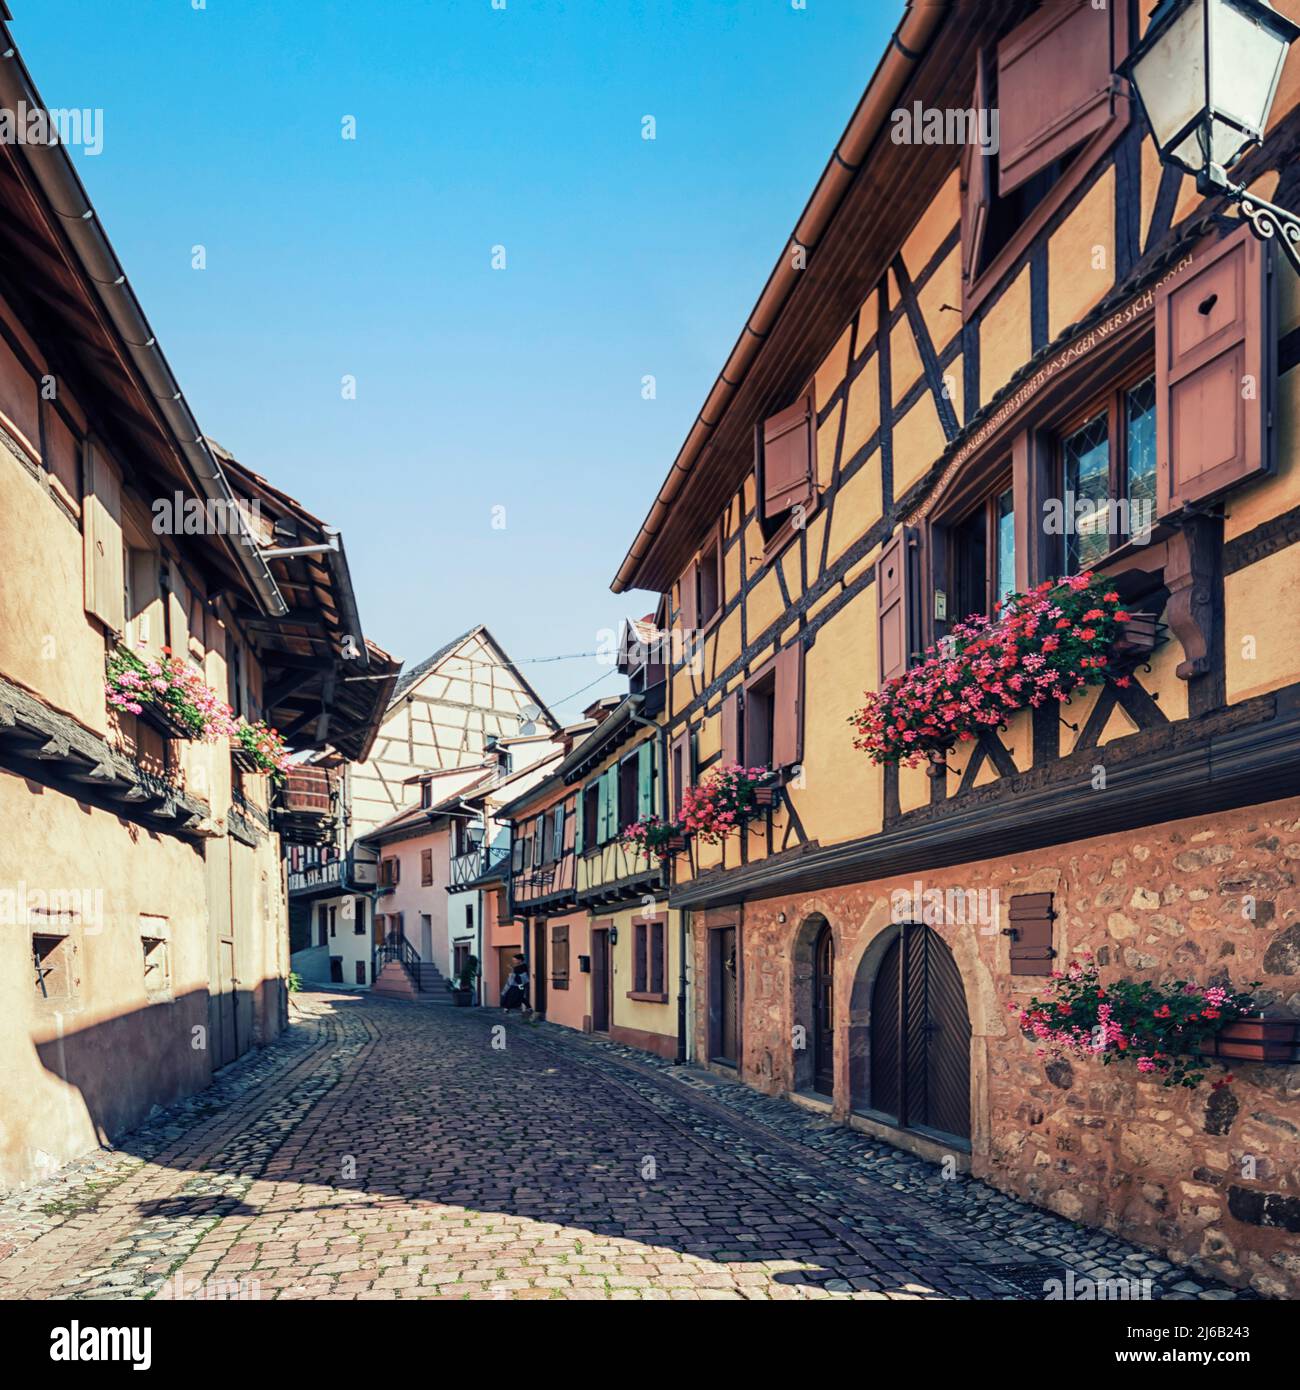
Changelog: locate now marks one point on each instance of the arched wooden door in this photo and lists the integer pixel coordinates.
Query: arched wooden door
(823, 1012)
(920, 1036)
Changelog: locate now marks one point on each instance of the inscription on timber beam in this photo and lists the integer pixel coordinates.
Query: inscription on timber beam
(1073, 351)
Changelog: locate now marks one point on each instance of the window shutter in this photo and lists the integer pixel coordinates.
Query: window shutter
(539, 839)
(516, 855)
(1054, 87)
(1031, 917)
(787, 458)
(397, 873)
(557, 835)
(426, 867)
(787, 713)
(731, 728)
(560, 955)
(639, 979)
(1214, 337)
(688, 610)
(894, 606)
(102, 541)
(656, 958)
(645, 768)
(680, 761)
(975, 179)
(580, 822)
(607, 817)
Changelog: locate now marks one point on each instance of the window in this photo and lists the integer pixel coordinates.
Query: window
(1107, 472)
(785, 463)
(1049, 81)
(52, 959)
(359, 915)
(627, 792)
(361, 972)
(557, 831)
(426, 868)
(333, 919)
(460, 957)
(591, 814)
(982, 556)
(560, 957)
(426, 795)
(157, 964)
(390, 872)
(322, 924)
(681, 772)
(760, 716)
(649, 972)
(547, 838)
(469, 916)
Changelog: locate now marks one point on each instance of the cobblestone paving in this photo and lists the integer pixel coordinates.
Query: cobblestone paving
(384, 1151)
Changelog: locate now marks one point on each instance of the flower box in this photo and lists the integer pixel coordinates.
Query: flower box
(243, 758)
(161, 716)
(765, 796)
(675, 844)
(1257, 1040)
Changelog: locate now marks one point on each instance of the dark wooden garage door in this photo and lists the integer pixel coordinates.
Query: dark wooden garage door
(920, 1036)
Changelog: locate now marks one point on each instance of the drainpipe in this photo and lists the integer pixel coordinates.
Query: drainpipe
(661, 783)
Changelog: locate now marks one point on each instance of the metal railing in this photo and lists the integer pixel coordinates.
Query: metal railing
(396, 947)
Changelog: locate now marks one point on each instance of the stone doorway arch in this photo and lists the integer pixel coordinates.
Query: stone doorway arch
(813, 978)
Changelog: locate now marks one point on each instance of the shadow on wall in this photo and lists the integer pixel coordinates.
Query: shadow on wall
(116, 1071)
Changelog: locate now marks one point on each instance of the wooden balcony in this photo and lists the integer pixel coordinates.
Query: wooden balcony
(306, 806)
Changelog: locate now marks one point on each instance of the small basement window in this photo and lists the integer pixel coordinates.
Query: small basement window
(52, 957)
(157, 964)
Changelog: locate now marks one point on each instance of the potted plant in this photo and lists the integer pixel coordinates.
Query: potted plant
(462, 992)
(257, 748)
(1043, 645)
(723, 800)
(651, 835)
(1166, 1031)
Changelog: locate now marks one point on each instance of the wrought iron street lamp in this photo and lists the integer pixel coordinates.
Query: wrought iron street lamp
(1206, 74)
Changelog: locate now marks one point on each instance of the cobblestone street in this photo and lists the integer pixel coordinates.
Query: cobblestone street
(382, 1150)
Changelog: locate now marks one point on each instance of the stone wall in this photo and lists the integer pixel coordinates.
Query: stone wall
(1209, 1176)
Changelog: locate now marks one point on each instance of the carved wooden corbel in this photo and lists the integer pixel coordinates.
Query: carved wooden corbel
(1192, 576)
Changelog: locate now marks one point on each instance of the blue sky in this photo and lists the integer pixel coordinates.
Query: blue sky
(476, 388)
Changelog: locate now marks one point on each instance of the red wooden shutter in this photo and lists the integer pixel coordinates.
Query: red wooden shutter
(976, 177)
(787, 458)
(787, 713)
(688, 609)
(1054, 87)
(681, 768)
(1215, 367)
(731, 728)
(893, 606)
(1031, 917)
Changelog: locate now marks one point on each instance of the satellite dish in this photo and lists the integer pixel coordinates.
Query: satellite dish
(528, 717)
(527, 728)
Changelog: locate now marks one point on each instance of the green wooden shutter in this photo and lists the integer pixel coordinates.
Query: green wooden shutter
(602, 809)
(557, 835)
(645, 768)
(580, 810)
(610, 780)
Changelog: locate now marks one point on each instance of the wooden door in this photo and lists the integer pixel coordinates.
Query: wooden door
(724, 982)
(823, 1013)
(600, 980)
(540, 965)
(920, 1036)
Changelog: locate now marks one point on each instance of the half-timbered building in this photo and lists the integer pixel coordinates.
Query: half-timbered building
(983, 363)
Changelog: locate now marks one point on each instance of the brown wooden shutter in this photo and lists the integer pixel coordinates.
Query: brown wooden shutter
(1031, 917)
(680, 762)
(1054, 87)
(657, 957)
(894, 605)
(1215, 369)
(976, 180)
(102, 556)
(639, 981)
(731, 728)
(20, 403)
(426, 868)
(788, 457)
(560, 956)
(787, 713)
(688, 609)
